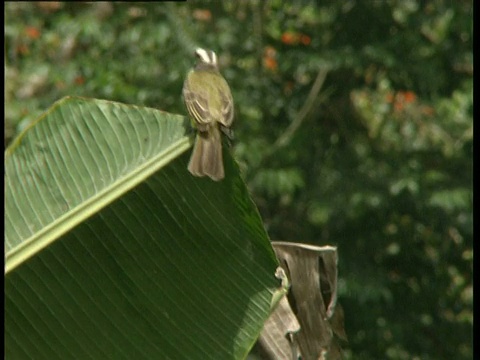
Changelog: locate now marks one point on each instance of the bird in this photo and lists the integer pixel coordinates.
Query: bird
(209, 102)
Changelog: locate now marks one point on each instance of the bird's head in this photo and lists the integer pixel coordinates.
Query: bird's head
(207, 59)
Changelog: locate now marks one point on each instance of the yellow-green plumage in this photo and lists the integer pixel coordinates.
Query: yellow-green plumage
(209, 102)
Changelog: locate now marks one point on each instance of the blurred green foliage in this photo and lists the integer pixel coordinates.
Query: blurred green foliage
(354, 127)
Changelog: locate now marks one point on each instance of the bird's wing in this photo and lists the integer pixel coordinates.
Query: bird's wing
(197, 106)
(227, 109)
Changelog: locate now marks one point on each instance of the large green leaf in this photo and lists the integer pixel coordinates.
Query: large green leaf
(113, 250)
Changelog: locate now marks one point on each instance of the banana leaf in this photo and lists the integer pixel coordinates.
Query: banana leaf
(114, 251)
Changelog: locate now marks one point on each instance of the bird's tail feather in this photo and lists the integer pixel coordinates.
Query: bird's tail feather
(207, 156)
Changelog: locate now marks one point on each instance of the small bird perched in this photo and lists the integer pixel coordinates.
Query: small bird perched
(209, 102)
